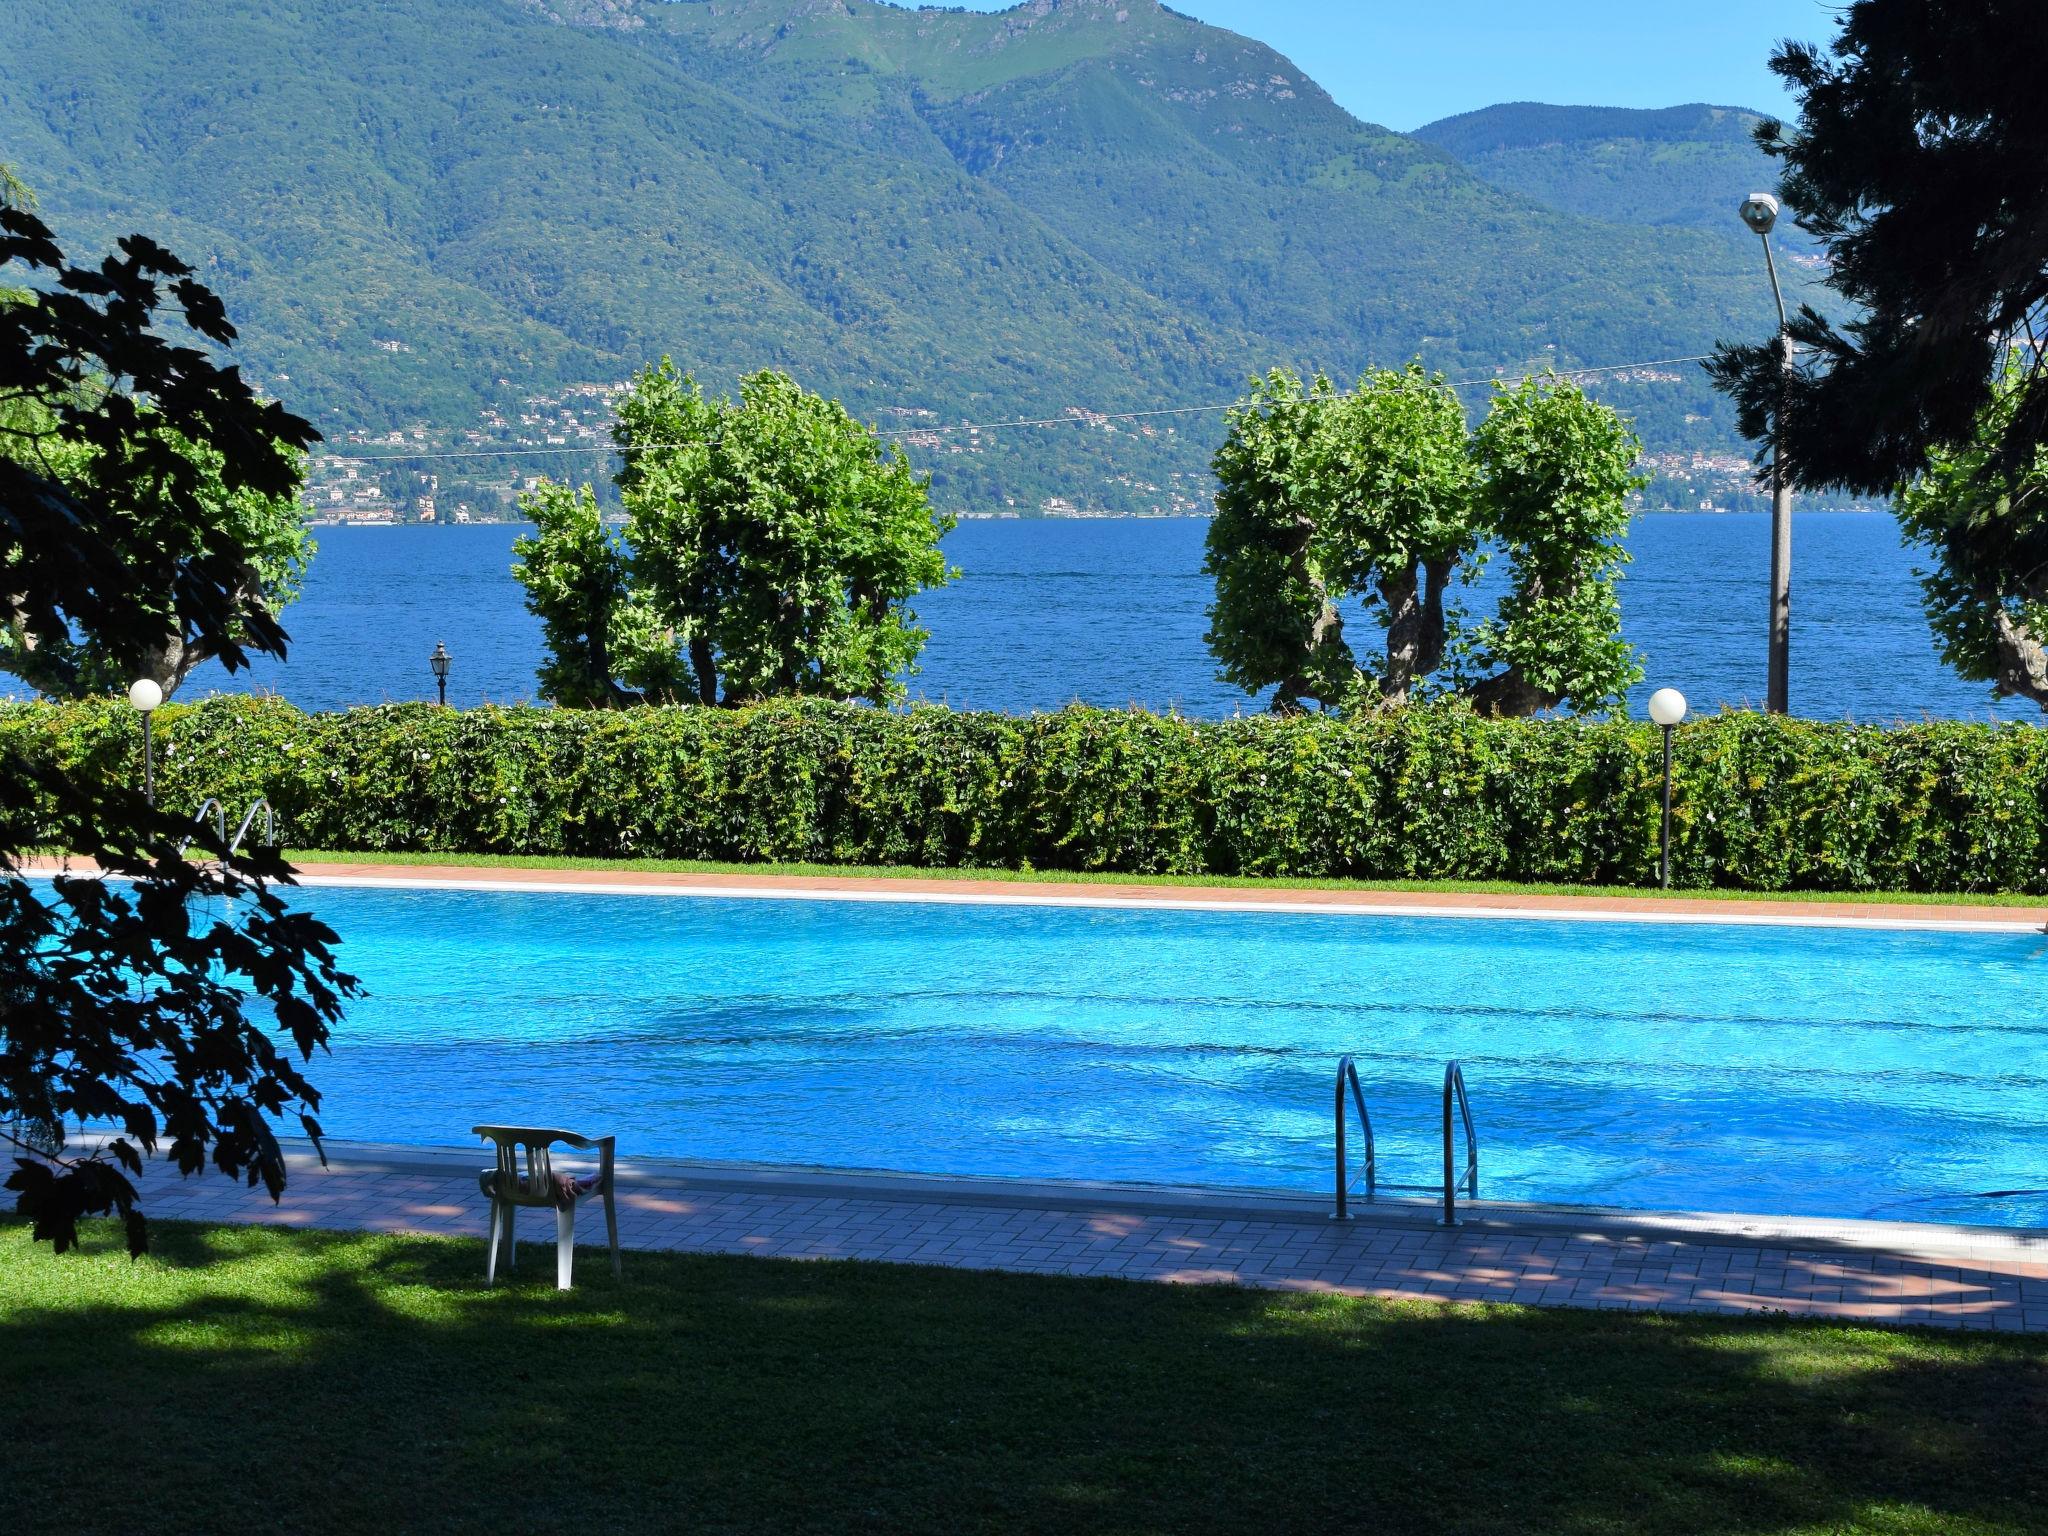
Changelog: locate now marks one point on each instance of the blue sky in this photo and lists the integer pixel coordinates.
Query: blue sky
(1404, 63)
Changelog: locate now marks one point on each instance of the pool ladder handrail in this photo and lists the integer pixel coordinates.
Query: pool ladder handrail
(1347, 1072)
(1454, 1088)
(269, 825)
(1455, 1180)
(220, 823)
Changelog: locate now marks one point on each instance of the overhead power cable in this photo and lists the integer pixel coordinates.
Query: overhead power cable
(1075, 417)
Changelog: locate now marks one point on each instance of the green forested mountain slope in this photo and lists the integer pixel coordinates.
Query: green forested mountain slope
(1677, 166)
(421, 211)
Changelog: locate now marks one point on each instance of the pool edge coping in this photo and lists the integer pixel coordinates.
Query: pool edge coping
(1139, 894)
(1935, 1242)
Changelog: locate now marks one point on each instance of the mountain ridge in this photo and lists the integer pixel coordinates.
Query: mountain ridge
(427, 217)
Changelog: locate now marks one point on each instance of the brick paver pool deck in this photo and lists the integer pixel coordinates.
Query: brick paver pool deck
(1889, 1274)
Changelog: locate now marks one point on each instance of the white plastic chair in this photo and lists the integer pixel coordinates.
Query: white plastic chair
(508, 1188)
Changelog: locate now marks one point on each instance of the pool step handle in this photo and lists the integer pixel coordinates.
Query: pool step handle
(1455, 1099)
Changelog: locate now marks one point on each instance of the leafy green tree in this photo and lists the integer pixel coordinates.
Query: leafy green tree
(1557, 469)
(605, 647)
(1325, 495)
(268, 529)
(1276, 622)
(773, 546)
(1379, 496)
(1921, 164)
(1985, 521)
(115, 1006)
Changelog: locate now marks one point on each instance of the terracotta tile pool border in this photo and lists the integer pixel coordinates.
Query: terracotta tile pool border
(1159, 896)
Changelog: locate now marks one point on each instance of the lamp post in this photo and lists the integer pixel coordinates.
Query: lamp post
(1760, 213)
(439, 662)
(145, 695)
(1667, 708)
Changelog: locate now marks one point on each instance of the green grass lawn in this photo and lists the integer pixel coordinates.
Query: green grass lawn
(244, 1379)
(1070, 877)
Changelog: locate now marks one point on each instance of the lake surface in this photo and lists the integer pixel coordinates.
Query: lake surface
(1112, 612)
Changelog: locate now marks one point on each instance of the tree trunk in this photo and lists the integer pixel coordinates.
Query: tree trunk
(54, 674)
(705, 664)
(1510, 694)
(1415, 627)
(169, 662)
(2022, 659)
(1326, 653)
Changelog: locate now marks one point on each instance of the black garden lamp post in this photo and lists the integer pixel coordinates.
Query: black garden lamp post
(1667, 708)
(145, 694)
(439, 662)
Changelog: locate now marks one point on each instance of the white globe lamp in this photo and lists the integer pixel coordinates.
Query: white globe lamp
(146, 694)
(1667, 709)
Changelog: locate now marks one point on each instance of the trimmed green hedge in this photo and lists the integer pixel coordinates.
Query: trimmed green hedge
(1423, 793)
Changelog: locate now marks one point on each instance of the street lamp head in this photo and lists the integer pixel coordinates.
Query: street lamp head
(439, 660)
(144, 694)
(1760, 212)
(1667, 707)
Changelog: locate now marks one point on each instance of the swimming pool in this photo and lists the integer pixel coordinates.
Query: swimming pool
(1787, 1070)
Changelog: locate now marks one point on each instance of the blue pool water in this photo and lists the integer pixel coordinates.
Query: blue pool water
(1766, 1069)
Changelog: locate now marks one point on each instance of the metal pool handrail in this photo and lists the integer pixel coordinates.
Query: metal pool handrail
(1454, 1088)
(269, 825)
(220, 823)
(1347, 1070)
(1454, 1179)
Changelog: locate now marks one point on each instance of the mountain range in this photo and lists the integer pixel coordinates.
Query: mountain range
(451, 224)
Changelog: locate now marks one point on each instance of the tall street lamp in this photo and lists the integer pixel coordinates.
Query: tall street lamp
(145, 695)
(1667, 708)
(1760, 213)
(439, 662)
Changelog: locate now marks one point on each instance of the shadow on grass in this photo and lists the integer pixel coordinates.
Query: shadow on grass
(320, 1381)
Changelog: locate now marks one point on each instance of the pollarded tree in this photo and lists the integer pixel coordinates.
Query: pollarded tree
(1398, 481)
(605, 648)
(1921, 163)
(1556, 471)
(1985, 521)
(114, 1005)
(1276, 621)
(1324, 497)
(776, 538)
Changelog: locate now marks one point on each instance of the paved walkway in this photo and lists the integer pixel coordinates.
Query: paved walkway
(1985, 1280)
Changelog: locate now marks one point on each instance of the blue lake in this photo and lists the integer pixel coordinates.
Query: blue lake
(1111, 612)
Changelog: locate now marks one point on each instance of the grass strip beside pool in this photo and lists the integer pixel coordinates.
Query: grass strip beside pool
(250, 1378)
